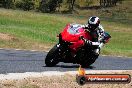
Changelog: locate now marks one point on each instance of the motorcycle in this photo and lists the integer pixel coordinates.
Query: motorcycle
(71, 47)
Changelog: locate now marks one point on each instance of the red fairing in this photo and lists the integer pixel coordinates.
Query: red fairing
(72, 33)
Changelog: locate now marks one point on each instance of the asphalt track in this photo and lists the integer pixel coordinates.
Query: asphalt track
(21, 61)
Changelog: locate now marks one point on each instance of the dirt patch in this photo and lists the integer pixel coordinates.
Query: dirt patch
(41, 47)
(63, 81)
(7, 37)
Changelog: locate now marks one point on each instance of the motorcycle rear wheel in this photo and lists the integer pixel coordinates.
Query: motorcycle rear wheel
(89, 61)
(52, 57)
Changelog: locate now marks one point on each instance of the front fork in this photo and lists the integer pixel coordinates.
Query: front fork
(59, 50)
(64, 53)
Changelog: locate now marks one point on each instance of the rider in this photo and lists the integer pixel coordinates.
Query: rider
(97, 32)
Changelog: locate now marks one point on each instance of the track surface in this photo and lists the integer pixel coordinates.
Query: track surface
(12, 61)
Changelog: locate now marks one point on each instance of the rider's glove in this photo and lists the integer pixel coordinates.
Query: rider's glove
(85, 26)
(87, 42)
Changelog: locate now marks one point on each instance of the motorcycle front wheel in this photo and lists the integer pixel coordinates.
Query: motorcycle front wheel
(52, 57)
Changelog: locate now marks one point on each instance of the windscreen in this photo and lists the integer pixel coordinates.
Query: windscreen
(74, 28)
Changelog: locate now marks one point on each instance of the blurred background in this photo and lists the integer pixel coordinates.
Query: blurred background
(34, 24)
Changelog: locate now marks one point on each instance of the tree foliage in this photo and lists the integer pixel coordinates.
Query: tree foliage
(27, 5)
(53, 5)
(36, 4)
(7, 3)
(107, 3)
(71, 4)
(49, 5)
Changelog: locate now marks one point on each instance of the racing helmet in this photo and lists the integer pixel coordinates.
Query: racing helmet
(93, 23)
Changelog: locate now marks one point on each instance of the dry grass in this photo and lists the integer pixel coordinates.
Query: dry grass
(65, 81)
(7, 37)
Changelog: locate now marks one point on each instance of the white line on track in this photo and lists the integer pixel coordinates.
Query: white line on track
(53, 73)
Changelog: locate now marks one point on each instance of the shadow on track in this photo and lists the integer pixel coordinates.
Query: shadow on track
(72, 66)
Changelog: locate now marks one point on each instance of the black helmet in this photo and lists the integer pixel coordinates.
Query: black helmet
(93, 23)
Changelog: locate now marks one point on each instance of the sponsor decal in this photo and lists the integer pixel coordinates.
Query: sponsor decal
(83, 78)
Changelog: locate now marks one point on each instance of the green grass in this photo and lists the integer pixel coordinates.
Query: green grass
(34, 30)
(29, 25)
(30, 28)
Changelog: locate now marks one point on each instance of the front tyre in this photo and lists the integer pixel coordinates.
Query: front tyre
(52, 57)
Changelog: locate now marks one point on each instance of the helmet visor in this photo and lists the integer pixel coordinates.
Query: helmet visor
(93, 26)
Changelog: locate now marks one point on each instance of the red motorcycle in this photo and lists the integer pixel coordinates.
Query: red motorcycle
(72, 48)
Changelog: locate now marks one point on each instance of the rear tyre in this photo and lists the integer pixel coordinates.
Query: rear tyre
(89, 61)
(52, 57)
(86, 58)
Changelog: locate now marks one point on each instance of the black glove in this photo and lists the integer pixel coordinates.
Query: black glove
(87, 42)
